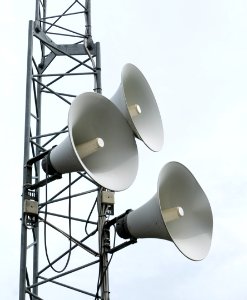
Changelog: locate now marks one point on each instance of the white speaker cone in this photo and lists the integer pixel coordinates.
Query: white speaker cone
(145, 120)
(100, 142)
(192, 233)
(179, 212)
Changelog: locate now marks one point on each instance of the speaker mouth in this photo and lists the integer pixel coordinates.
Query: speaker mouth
(135, 100)
(179, 212)
(100, 142)
(137, 92)
(192, 233)
(115, 165)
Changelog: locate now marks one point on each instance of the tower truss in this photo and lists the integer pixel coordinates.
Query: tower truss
(61, 215)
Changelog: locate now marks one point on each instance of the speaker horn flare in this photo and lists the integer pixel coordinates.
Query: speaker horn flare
(179, 212)
(100, 142)
(136, 101)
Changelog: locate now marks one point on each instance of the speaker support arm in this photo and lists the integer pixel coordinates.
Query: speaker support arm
(114, 221)
(123, 245)
(41, 183)
(33, 160)
(45, 181)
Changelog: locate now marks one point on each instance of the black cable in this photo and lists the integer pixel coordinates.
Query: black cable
(89, 216)
(101, 276)
(45, 225)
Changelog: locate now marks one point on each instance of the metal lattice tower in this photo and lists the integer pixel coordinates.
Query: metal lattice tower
(61, 215)
(66, 232)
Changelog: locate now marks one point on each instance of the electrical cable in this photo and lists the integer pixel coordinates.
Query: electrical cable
(88, 218)
(45, 226)
(101, 275)
(106, 268)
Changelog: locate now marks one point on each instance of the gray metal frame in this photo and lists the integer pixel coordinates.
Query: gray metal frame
(47, 96)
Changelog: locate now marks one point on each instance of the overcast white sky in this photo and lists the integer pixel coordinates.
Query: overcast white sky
(193, 54)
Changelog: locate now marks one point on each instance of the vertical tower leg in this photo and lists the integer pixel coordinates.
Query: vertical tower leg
(26, 174)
